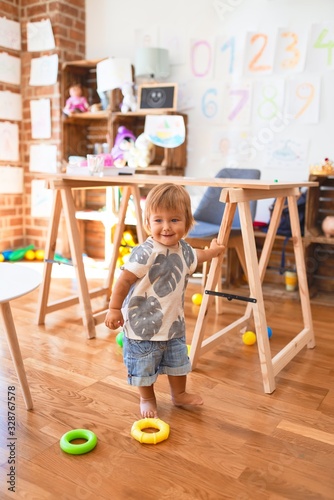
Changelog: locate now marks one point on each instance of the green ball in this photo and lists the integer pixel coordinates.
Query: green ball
(119, 339)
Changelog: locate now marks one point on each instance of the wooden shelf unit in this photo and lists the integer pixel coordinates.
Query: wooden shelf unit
(319, 250)
(81, 131)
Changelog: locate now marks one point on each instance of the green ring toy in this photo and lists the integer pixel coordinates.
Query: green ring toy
(78, 449)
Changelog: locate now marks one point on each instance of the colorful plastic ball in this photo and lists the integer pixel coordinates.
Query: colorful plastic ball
(29, 255)
(2, 257)
(119, 339)
(128, 238)
(197, 299)
(270, 332)
(249, 338)
(7, 254)
(39, 254)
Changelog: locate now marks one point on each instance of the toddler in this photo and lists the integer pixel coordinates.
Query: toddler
(148, 298)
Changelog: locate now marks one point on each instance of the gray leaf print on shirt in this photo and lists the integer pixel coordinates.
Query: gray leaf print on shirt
(188, 253)
(145, 316)
(165, 273)
(141, 253)
(178, 329)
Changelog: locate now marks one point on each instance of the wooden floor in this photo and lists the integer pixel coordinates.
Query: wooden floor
(241, 445)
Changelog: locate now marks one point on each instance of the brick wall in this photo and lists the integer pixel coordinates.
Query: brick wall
(11, 206)
(17, 227)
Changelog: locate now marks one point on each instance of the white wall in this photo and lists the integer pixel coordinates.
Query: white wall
(114, 28)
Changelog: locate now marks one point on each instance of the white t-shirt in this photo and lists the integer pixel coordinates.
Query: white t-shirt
(154, 307)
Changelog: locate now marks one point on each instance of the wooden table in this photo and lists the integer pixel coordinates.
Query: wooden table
(15, 281)
(234, 193)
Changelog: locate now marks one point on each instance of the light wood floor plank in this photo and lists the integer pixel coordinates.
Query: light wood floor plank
(241, 445)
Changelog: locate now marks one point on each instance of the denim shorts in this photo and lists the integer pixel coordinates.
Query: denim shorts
(146, 359)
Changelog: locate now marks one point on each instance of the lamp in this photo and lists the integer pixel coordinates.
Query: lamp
(152, 62)
(111, 74)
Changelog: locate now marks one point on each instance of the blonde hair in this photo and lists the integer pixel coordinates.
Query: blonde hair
(168, 197)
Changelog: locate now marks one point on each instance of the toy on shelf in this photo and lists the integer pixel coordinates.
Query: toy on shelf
(76, 103)
(327, 226)
(141, 153)
(129, 102)
(26, 253)
(124, 140)
(20, 253)
(327, 168)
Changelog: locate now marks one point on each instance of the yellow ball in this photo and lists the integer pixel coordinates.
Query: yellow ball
(29, 255)
(188, 348)
(128, 238)
(197, 299)
(39, 255)
(2, 258)
(249, 338)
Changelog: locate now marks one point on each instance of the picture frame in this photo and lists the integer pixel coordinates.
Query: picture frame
(157, 97)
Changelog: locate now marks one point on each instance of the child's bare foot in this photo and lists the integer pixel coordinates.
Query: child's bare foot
(148, 408)
(184, 398)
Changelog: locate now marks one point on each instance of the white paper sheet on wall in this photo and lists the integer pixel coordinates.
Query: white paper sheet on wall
(291, 49)
(320, 57)
(148, 37)
(10, 34)
(40, 112)
(43, 158)
(201, 59)
(41, 199)
(303, 98)
(10, 69)
(260, 52)
(237, 103)
(9, 141)
(268, 101)
(175, 43)
(10, 106)
(44, 70)
(11, 180)
(40, 36)
(287, 154)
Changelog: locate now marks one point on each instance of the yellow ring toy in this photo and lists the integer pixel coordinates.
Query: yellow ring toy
(150, 437)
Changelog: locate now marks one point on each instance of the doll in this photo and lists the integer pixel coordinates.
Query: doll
(76, 103)
(129, 102)
(124, 141)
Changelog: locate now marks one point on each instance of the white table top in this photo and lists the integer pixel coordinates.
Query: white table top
(17, 280)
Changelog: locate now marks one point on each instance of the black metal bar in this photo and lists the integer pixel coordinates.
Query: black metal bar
(55, 261)
(230, 296)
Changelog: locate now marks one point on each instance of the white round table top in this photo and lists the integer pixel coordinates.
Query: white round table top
(17, 280)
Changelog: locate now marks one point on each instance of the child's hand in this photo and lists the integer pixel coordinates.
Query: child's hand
(114, 319)
(216, 247)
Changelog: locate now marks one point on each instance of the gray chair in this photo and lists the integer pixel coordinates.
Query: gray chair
(208, 216)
